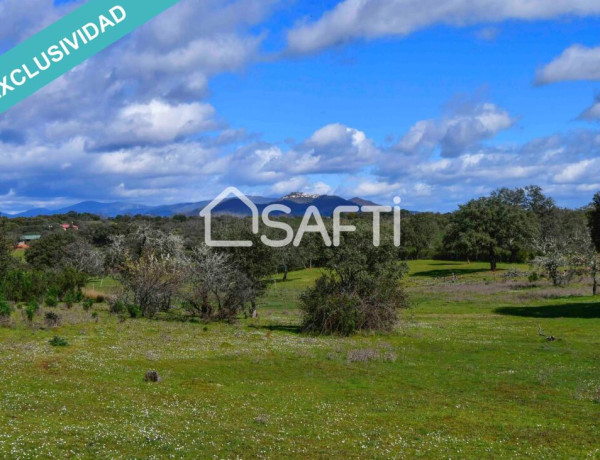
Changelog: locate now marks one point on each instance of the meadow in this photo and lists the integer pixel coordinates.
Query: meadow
(483, 365)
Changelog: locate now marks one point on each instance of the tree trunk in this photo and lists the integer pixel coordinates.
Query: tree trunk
(253, 312)
(285, 272)
(493, 261)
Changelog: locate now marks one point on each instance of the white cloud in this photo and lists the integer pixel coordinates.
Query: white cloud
(456, 132)
(333, 149)
(169, 59)
(375, 188)
(575, 63)
(355, 19)
(158, 121)
(574, 172)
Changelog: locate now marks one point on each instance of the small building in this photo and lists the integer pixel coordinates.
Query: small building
(29, 238)
(25, 240)
(66, 227)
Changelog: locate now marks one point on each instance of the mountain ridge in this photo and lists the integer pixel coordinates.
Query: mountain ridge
(233, 206)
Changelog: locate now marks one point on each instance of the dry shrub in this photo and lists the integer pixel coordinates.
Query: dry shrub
(51, 319)
(152, 376)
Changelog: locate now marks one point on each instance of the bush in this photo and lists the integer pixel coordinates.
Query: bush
(327, 311)
(69, 282)
(31, 309)
(58, 342)
(360, 292)
(23, 286)
(134, 310)
(70, 299)
(87, 304)
(331, 308)
(117, 306)
(51, 300)
(51, 319)
(5, 310)
(152, 376)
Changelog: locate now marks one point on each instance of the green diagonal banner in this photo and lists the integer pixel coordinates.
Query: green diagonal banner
(68, 42)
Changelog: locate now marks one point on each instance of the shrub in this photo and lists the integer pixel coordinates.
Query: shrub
(117, 306)
(5, 310)
(134, 310)
(360, 292)
(69, 282)
(70, 299)
(151, 376)
(58, 342)
(22, 285)
(87, 304)
(51, 300)
(31, 309)
(51, 319)
(327, 311)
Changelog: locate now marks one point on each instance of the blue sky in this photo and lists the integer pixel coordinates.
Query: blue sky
(438, 101)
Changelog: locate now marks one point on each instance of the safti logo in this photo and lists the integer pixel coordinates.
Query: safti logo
(312, 222)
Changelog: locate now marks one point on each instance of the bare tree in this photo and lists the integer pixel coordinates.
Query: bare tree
(563, 258)
(556, 259)
(153, 281)
(84, 258)
(215, 287)
(151, 267)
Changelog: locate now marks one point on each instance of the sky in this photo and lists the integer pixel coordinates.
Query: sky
(436, 101)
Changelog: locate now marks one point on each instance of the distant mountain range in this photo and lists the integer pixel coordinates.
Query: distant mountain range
(297, 202)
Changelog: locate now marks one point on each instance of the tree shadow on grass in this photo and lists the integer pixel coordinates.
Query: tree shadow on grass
(281, 328)
(447, 264)
(450, 272)
(569, 310)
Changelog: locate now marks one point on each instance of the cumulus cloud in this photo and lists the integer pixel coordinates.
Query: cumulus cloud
(368, 19)
(453, 134)
(575, 63)
(170, 59)
(133, 123)
(132, 120)
(563, 164)
(159, 122)
(333, 149)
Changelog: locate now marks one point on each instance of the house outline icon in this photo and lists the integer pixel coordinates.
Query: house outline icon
(206, 213)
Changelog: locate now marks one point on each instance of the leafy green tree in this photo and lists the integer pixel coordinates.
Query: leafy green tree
(49, 251)
(594, 221)
(6, 258)
(490, 228)
(257, 263)
(419, 233)
(541, 209)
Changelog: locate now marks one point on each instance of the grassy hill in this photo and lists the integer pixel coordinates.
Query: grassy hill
(465, 374)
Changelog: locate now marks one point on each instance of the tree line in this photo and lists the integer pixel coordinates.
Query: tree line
(162, 263)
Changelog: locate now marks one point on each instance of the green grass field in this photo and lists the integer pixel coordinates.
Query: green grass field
(465, 374)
